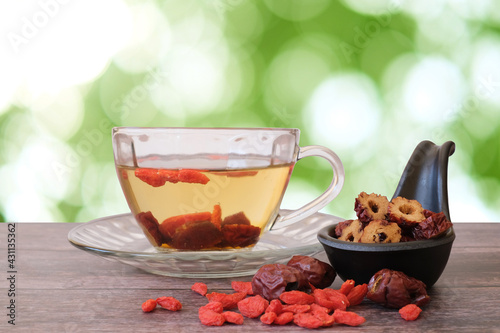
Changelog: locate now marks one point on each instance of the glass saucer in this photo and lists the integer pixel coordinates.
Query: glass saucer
(119, 238)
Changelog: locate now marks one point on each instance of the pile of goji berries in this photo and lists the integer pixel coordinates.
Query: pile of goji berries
(319, 308)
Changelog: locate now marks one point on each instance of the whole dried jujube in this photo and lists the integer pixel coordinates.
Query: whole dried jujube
(318, 273)
(394, 289)
(433, 226)
(272, 280)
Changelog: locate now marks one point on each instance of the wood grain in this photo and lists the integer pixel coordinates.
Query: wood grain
(62, 289)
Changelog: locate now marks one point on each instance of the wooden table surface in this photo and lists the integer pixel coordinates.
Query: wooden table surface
(59, 288)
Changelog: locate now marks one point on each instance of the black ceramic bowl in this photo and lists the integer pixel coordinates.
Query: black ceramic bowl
(424, 179)
(424, 260)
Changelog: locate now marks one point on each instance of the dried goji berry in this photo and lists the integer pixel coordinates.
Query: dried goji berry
(212, 306)
(149, 305)
(169, 303)
(317, 307)
(228, 301)
(284, 318)
(330, 299)
(151, 227)
(233, 317)
(275, 306)
(211, 318)
(347, 286)
(348, 318)
(357, 294)
(410, 312)
(170, 225)
(216, 217)
(296, 297)
(200, 288)
(307, 320)
(193, 176)
(325, 318)
(296, 308)
(150, 176)
(239, 235)
(268, 317)
(252, 307)
(241, 286)
(158, 177)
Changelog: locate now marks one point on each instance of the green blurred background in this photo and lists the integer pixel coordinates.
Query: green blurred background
(369, 79)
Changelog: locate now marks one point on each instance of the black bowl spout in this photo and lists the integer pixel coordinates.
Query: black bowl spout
(425, 177)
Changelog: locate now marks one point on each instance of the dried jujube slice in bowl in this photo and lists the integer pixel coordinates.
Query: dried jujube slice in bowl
(369, 207)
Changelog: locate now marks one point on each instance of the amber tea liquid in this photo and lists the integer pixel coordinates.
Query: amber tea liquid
(173, 213)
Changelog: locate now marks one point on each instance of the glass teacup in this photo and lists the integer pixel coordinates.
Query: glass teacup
(213, 188)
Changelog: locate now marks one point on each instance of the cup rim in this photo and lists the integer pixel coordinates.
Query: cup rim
(159, 128)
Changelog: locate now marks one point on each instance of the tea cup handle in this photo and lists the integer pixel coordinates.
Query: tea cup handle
(331, 192)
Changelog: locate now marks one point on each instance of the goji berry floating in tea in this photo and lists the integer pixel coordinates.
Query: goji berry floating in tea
(158, 177)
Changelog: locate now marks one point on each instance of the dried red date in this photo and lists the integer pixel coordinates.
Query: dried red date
(196, 235)
(170, 225)
(238, 218)
(272, 280)
(318, 273)
(151, 227)
(394, 289)
(239, 235)
(433, 226)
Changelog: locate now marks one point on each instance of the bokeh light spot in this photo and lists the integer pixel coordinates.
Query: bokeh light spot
(433, 89)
